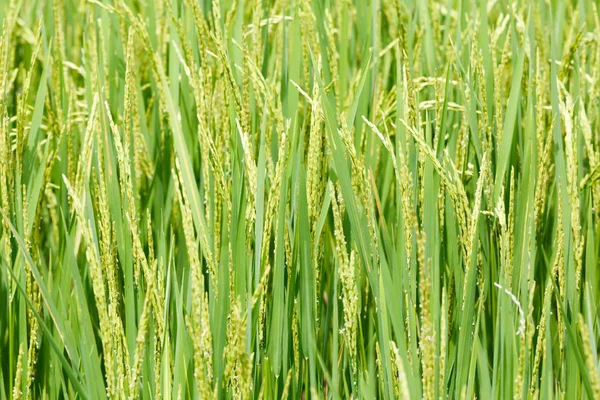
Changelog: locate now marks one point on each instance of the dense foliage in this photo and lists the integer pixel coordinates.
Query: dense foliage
(299, 199)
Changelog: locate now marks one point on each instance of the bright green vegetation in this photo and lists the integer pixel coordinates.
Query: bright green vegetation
(299, 199)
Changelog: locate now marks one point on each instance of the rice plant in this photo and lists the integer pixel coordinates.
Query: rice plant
(293, 199)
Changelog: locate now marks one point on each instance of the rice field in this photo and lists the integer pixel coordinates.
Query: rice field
(295, 199)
